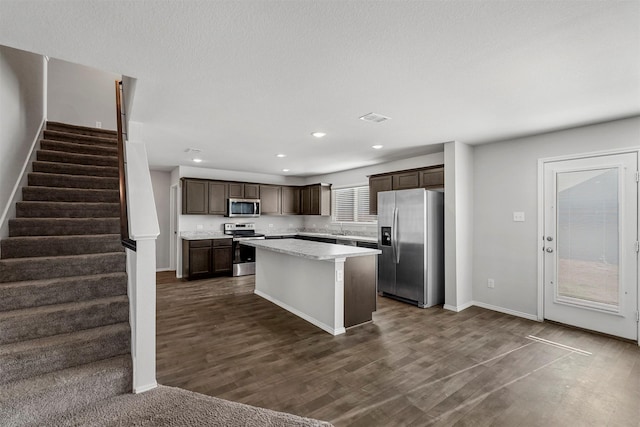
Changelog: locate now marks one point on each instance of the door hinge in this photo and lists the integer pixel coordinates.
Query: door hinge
(637, 316)
(636, 246)
(637, 176)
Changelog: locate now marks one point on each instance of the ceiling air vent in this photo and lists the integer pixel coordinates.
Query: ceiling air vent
(374, 117)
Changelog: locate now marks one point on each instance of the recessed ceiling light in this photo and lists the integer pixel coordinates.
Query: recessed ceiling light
(197, 160)
(285, 170)
(318, 134)
(281, 155)
(377, 147)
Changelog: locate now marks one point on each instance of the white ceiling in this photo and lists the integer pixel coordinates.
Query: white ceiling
(245, 80)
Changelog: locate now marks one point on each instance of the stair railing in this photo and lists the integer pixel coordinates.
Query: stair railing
(126, 240)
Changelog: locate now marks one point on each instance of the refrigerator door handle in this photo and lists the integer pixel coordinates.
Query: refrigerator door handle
(396, 249)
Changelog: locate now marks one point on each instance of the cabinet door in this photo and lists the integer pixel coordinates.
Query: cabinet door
(199, 261)
(251, 191)
(315, 200)
(270, 199)
(406, 181)
(195, 198)
(432, 178)
(305, 204)
(217, 198)
(376, 185)
(222, 259)
(236, 190)
(290, 200)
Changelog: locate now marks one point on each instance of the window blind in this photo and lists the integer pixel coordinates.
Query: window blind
(351, 205)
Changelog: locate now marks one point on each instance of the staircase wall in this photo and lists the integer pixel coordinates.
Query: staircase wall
(22, 115)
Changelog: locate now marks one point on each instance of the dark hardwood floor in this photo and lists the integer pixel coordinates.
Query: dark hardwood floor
(409, 367)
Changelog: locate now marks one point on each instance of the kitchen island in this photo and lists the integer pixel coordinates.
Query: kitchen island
(330, 286)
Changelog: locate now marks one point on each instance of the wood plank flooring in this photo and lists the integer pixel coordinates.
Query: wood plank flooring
(409, 367)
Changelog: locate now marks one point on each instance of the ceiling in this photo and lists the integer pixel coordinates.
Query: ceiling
(245, 80)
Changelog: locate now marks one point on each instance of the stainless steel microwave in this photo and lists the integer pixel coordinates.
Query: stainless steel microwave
(247, 208)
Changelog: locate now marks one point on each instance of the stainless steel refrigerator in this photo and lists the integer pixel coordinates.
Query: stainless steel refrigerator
(411, 238)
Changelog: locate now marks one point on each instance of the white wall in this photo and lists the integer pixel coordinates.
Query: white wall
(22, 110)
(458, 220)
(505, 180)
(161, 181)
(81, 95)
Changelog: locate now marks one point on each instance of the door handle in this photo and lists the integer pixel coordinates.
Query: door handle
(549, 250)
(394, 237)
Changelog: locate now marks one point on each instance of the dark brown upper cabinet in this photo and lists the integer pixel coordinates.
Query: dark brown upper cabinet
(376, 185)
(316, 199)
(218, 197)
(240, 190)
(405, 181)
(291, 204)
(195, 196)
(431, 177)
(270, 200)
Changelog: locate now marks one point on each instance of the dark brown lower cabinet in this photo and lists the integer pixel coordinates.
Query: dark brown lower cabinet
(360, 277)
(206, 258)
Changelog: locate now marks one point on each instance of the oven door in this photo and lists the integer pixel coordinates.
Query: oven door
(247, 208)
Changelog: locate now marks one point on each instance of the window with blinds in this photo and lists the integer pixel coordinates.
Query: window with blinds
(351, 205)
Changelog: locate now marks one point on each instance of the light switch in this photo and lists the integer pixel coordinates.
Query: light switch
(339, 275)
(518, 216)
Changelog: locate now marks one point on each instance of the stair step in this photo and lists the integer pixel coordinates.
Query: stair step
(81, 130)
(75, 169)
(34, 293)
(38, 399)
(36, 268)
(39, 179)
(72, 147)
(67, 210)
(44, 355)
(56, 194)
(55, 135)
(80, 159)
(48, 320)
(43, 246)
(62, 226)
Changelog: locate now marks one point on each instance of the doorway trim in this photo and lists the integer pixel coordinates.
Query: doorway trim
(540, 234)
(173, 227)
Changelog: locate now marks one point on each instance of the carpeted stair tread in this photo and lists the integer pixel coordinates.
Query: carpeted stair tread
(73, 147)
(81, 130)
(37, 209)
(81, 159)
(75, 169)
(37, 400)
(56, 194)
(39, 179)
(39, 246)
(56, 135)
(62, 226)
(49, 320)
(43, 355)
(36, 268)
(61, 290)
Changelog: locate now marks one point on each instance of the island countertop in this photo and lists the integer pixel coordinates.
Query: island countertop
(311, 250)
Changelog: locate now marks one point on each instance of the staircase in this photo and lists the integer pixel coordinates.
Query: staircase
(64, 311)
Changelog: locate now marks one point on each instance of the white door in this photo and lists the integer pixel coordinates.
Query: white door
(590, 243)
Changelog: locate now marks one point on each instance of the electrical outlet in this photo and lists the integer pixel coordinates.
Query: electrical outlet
(491, 283)
(270, 225)
(199, 227)
(99, 125)
(518, 216)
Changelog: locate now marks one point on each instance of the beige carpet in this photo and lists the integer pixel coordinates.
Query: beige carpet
(169, 406)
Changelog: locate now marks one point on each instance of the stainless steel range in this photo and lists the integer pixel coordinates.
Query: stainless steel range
(244, 257)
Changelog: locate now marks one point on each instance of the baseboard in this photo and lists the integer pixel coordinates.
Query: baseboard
(158, 270)
(302, 315)
(458, 308)
(506, 311)
(146, 387)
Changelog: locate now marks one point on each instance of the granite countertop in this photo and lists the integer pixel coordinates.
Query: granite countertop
(203, 235)
(340, 236)
(311, 250)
